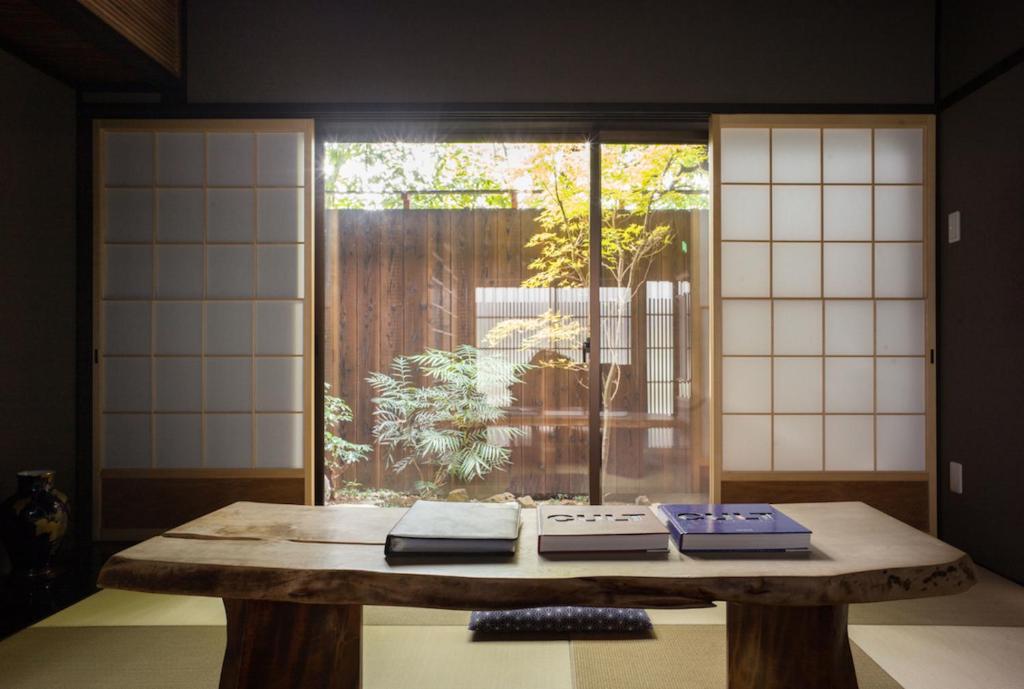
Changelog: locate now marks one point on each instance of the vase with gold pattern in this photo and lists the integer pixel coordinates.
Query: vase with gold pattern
(33, 522)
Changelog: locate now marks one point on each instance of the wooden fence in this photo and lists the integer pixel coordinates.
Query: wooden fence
(400, 281)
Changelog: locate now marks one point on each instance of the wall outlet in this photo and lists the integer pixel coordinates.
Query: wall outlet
(954, 227)
(956, 478)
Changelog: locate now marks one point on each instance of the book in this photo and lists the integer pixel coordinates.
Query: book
(599, 528)
(455, 528)
(734, 527)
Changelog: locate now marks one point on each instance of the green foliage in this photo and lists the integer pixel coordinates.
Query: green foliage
(636, 182)
(452, 423)
(339, 452)
(375, 175)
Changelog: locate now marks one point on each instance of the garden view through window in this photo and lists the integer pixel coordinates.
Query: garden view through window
(457, 322)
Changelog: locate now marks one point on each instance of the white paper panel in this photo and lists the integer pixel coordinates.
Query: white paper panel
(229, 159)
(279, 384)
(746, 385)
(231, 215)
(180, 215)
(849, 385)
(129, 159)
(797, 384)
(281, 215)
(899, 213)
(900, 385)
(126, 441)
(797, 443)
(796, 213)
(745, 155)
(796, 155)
(849, 443)
(899, 270)
(848, 327)
(229, 271)
(126, 384)
(746, 442)
(126, 327)
(796, 269)
(229, 385)
(745, 269)
(129, 215)
(281, 159)
(847, 269)
(797, 327)
(128, 273)
(898, 155)
(280, 272)
(180, 159)
(178, 384)
(178, 441)
(229, 328)
(279, 327)
(279, 440)
(229, 440)
(179, 272)
(746, 327)
(745, 211)
(900, 327)
(847, 155)
(179, 328)
(847, 213)
(901, 443)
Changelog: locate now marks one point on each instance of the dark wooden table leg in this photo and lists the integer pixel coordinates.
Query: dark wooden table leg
(775, 647)
(289, 645)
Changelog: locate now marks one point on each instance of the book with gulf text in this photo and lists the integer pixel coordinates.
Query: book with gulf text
(599, 529)
(734, 527)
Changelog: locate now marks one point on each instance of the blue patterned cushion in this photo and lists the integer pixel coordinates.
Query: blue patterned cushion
(561, 619)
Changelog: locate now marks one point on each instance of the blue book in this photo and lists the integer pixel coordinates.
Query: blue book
(734, 527)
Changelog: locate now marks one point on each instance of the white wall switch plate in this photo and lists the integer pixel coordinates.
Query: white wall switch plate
(954, 227)
(956, 478)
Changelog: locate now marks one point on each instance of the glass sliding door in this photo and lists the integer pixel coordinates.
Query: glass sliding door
(653, 305)
(456, 320)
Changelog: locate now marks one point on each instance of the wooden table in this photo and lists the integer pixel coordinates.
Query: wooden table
(294, 580)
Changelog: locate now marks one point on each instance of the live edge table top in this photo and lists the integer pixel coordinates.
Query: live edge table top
(335, 555)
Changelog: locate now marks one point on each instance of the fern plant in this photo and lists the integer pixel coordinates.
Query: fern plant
(338, 452)
(451, 426)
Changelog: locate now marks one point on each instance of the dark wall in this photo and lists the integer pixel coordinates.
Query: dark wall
(37, 274)
(975, 35)
(981, 301)
(538, 51)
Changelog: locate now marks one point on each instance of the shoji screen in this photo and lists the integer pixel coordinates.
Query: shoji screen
(203, 289)
(824, 313)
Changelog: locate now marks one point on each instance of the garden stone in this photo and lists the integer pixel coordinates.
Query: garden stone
(458, 495)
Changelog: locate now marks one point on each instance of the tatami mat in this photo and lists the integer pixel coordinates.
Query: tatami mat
(425, 657)
(679, 657)
(176, 657)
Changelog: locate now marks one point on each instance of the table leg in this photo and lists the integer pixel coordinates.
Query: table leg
(275, 645)
(776, 647)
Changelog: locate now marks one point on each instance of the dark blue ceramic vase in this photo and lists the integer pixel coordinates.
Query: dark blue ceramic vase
(33, 522)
